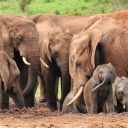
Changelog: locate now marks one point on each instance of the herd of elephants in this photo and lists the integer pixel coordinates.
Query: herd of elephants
(89, 53)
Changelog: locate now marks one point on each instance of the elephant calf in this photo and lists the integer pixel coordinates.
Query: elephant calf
(9, 82)
(98, 90)
(69, 108)
(120, 94)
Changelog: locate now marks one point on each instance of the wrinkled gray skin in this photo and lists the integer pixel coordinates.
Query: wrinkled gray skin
(98, 90)
(120, 94)
(72, 107)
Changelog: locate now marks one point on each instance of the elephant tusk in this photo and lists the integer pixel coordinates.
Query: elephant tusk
(25, 61)
(44, 63)
(77, 95)
(124, 106)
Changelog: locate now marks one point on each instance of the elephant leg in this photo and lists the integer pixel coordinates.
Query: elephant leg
(87, 102)
(5, 100)
(0, 93)
(42, 90)
(93, 102)
(35, 89)
(110, 102)
(50, 82)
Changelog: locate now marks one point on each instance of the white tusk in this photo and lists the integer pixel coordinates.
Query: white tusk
(25, 61)
(77, 95)
(44, 63)
(124, 106)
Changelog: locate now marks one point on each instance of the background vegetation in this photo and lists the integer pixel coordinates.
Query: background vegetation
(61, 7)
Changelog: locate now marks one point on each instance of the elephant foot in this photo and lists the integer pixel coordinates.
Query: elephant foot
(42, 99)
(29, 103)
(5, 100)
(52, 106)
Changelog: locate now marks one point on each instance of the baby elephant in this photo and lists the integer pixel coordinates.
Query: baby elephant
(98, 90)
(120, 94)
(69, 108)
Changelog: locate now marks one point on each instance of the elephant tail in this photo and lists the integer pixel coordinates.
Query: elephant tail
(106, 78)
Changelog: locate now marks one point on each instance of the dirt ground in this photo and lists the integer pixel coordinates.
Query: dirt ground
(41, 117)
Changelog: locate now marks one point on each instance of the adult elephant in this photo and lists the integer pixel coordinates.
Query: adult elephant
(54, 51)
(74, 23)
(9, 79)
(83, 57)
(20, 39)
(118, 15)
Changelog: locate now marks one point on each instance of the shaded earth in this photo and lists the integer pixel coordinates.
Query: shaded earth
(41, 117)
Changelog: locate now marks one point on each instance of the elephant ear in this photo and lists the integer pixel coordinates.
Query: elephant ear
(46, 43)
(92, 20)
(114, 94)
(71, 65)
(95, 76)
(68, 31)
(7, 41)
(114, 72)
(5, 74)
(71, 68)
(114, 85)
(124, 78)
(94, 38)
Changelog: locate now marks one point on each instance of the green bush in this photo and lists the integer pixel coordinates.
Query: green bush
(49, 1)
(24, 4)
(57, 12)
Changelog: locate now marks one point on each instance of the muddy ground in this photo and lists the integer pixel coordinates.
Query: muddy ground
(41, 117)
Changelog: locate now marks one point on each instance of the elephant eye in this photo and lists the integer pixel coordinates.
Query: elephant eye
(111, 71)
(20, 39)
(101, 70)
(78, 64)
(88, 77)
(73, 56)
(55, 53)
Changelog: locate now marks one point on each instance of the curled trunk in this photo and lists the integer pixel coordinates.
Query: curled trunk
(106, 79)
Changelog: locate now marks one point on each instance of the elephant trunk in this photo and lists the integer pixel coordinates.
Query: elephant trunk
(32, 72)
(17, 97)
(106, 79)
(65, 85)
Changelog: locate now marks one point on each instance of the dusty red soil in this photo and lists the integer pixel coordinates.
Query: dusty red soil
(41, 117)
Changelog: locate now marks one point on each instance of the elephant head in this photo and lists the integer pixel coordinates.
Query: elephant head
(120, 96)
(103, 75)
(82, 61)
(54, 49)
(22, 38)
(10, 76)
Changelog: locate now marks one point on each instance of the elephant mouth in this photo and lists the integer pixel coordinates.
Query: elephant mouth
(108, 83)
